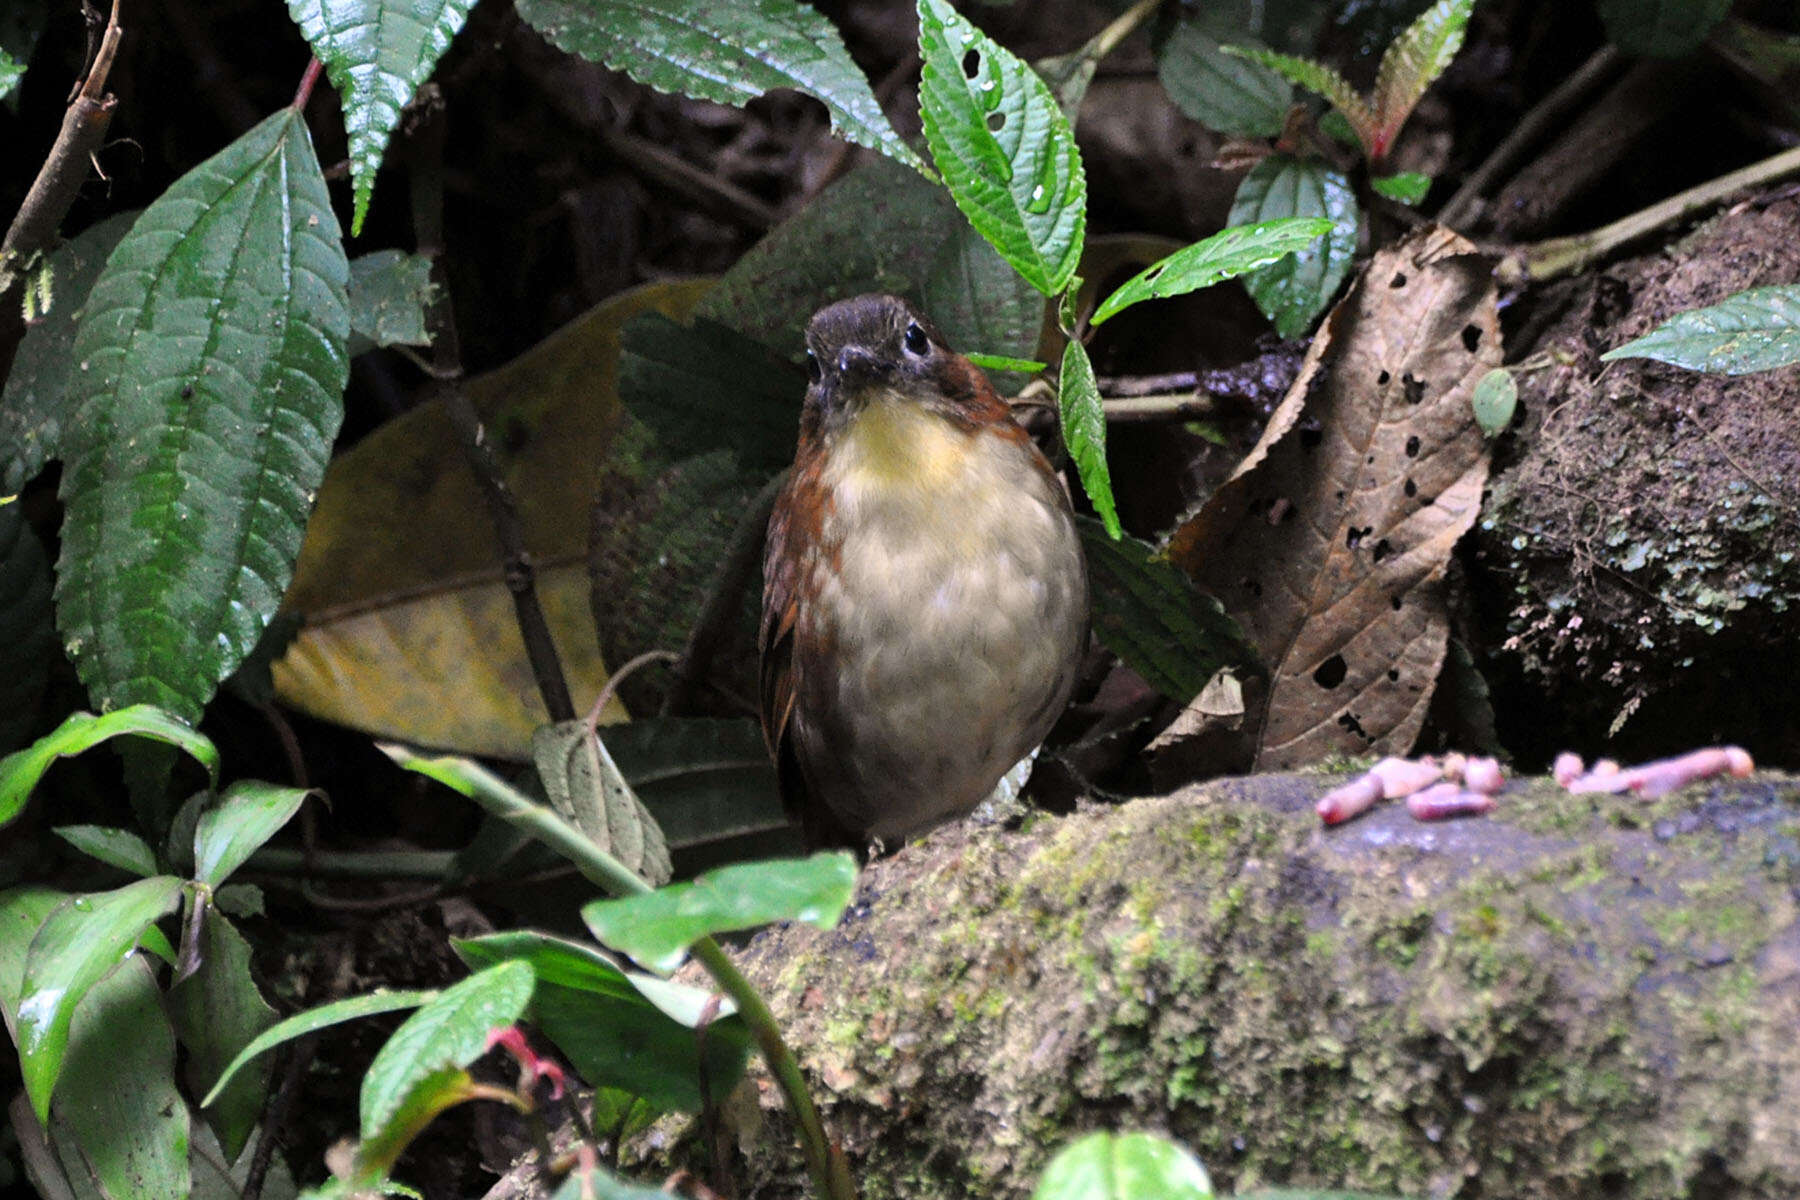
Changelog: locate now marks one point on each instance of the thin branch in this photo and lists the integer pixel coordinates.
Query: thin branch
(611, 687)
(308, 81)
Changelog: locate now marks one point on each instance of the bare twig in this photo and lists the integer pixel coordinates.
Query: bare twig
(84, 126)
(611, 687)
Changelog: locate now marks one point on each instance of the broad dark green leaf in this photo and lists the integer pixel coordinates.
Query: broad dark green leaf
(1084, 431)
(211, 368)
(731, 53)
(22, 912)
(1754, 330)
(1123, 1166)
(974, 292)
(1226, 92)
(389, 293)
(313, 1019)
(585, 785)
(1660, 28)
(117, 1099)
(36, 400)
(1408, 187)
(1319, 78)
(21, 770)
(247, 815)
(28, 649)
(1003, 146)
(1293, 291)
(449, 1030)
(83, 939)
(702, 387)
(619, 1028)
(115, 847)
(1225, 255)
(704, 779)
(658, 927)
(1149, 613)
(217, 1011)
(377, 53)
(1414, 61)
(1496, 398)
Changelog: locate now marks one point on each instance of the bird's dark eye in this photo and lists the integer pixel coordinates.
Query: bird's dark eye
(916, 341)
(813, 370)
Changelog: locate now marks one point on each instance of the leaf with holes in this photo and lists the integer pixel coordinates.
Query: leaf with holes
(377, 53)
(1411, 64)
(1084, 431)
(1225, 255)
(1754, 330)
(211, 370)
(1003, 146)
(731, 53)
(1294, 290)
(1331, 550)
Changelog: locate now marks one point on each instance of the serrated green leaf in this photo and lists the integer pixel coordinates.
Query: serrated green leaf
(1084, 431)
(1319, 78)
(1406, 187)
(389, 293)
(1413, 63)
(1660, 28)
(247, 815)
(1149, 613)
(1003, 146)
(1495, 399)
(36, 400)
(217, 1011)
(1294, 291)
(703, 387)
(657, 928)
(21, 770)
(210, 361)
(1225, 255)
(619, 1028)
(585, 785)
(323, 1017)
(972, 294)
(449, 1030)
(376, 53)
(1753, 330)
(28, 648)
(731, 53)
(83, 939)
(1225, 92)
(1123, 1166)
(115, 847)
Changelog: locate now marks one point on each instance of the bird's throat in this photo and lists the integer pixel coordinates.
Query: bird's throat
(893, 442)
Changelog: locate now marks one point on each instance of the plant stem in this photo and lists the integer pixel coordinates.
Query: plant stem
(1122, 27)
(308, 81)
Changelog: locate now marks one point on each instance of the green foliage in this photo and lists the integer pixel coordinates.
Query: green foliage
(21, 770)
(1407, 187)
(657, 928)
(1294, 290)
(1495, 400)
(586, 786)
(312, 1020)
(1225, 255)
(246, 816)
(1123, 1166)
(377, 53)
(1227, 92)
(728, 53)
(27, 635)
(1084, 430)
(1754, 330)
(1322, 79)
(702, 779)
(115, 847)
(217, 1011)
(389, 293)
(1661, 28)
(11, 71)
(213, 387)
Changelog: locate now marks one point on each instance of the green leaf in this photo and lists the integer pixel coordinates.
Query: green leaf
(28, 650)
(217, 1011)
(1226, 92)
(211, 361)
(115, 847)
(657, 928)
(1319, 78)
(1123, 1166)
(247, 815)
(597, 1183)
(377, 53)
(22, 911)
(1294, 291)
(1149, 613)
(1495, 399)
(703, 387)
(1003, 146)
(1000, 362)
(704, 780)
(11, 71)
(621, 1029)
(21, 770)
(312, 1020)
(82, 940)
(1084, 431)
(1225, 255)
(1407, 187)
(1754, 330)
(389, 293)
(585, 785)
(731, 53)
(1660, 28)
(35, 401)
(449, 1031)
(1414, 61)
(974, 295)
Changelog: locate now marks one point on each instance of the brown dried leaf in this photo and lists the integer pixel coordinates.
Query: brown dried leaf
(1330, 546)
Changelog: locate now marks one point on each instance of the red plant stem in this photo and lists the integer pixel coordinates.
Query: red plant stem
(303, 93)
